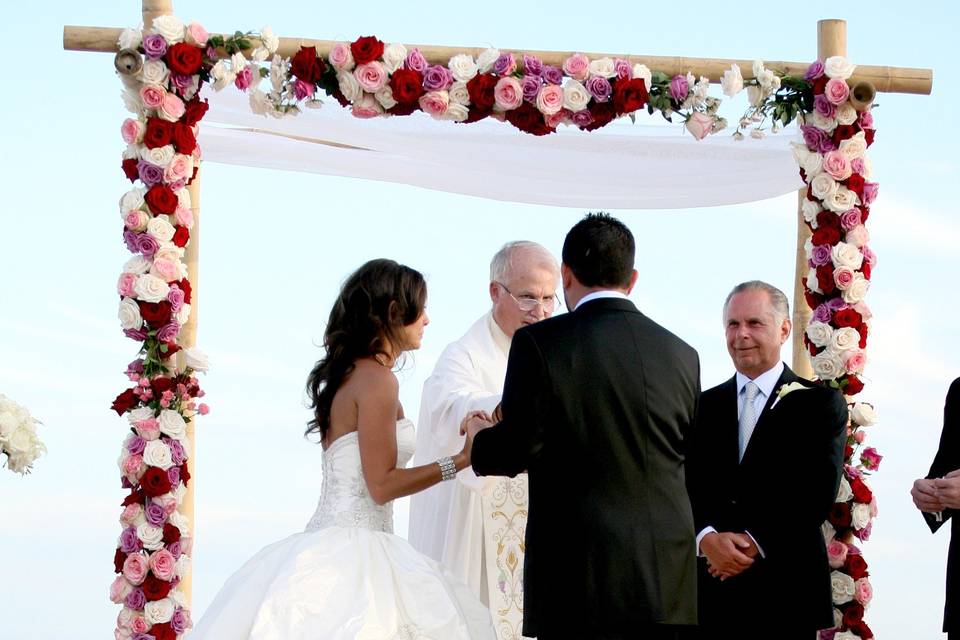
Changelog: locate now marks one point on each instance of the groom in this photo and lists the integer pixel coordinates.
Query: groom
(596, 406)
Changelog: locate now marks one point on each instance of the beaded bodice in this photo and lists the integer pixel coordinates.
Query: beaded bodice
(344, 499)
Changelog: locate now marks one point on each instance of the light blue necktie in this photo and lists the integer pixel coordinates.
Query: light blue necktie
(748, 417)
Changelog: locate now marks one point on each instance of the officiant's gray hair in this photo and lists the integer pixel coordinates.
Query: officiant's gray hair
(781, 306)
(506, 259)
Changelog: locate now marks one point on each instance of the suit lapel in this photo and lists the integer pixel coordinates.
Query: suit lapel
(786, 377)
(729, 438)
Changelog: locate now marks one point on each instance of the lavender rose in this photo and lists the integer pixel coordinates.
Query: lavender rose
(129, 542)
(135, 334)
(416, 61)
(150, 174)
(155, 46)
(146, 244)
(180, 621)
(155, 514)
(168, 332)
(437, 78)
(813, 137)
(130, 240)
(136, 445)
(814, 71)
(135, 599)
(552, 75)
(582, 118)
(173, 475)
(142, 636)
(821, 255)
(505, 64)
(824, 107)
(532, 65)
(177, 452)
(822, 314)
(679, 88)
(599, 87)
(531, 87)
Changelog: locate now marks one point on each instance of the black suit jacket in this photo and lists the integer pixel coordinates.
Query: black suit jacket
(780, 493)
(596, 407)
(947, 460)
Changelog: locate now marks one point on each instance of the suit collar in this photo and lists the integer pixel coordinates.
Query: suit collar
(602, 304)
(766, 381)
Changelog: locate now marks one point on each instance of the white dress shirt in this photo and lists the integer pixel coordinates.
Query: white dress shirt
(604, 293)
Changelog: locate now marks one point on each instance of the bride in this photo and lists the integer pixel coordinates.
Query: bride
(347, 576)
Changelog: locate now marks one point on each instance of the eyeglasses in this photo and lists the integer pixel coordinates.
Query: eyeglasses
(529, 303)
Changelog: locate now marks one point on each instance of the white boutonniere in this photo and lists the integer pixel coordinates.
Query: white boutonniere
(786, 390)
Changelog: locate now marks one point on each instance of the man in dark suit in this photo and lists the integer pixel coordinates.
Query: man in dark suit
(596, 407)
(938, 497)
(764, 471)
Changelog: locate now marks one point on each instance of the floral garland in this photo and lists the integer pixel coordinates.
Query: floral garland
(18, 436)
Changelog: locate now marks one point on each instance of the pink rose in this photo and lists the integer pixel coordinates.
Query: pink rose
(550, 99)
(184, 216)
(139, 625)
(874, 511)
(148, 429)
(135, 220)
(837, 91)
(870, 458)
(854, 360)
(558, 118)
(851, 218)
(860, 436)
(165, 269)
(863, 309)
(858, 236)
(507, 94)
(435, 103)
(197, 35)
(843, 277)
(151, 96)
(858, 165)
(121, 634)
(132, 130)
(837, 165)
(131, 513)
(119, 590)
(366, 107)
(180, 168)
(577, 66)
(125, 284)
(623, 69)
(864, 592)
(244, 78)
(162, 564)
(167, 502)
(172, 107)
(132, 465)
(341, 57)
(371, 76)
(836, 553)
(135, 568)
(870, 192)
(699, 125)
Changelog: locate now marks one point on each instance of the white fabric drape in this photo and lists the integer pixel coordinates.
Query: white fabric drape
(623, 166)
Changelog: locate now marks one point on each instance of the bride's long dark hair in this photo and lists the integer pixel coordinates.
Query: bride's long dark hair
(374, 305)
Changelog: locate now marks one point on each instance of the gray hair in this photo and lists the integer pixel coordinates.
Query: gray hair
(781, 306)
(506, 259)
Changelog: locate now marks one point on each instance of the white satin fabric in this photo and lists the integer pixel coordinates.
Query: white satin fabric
(347, 577)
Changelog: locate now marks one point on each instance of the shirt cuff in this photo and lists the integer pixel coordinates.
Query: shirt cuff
(938, 516)
(705, 531)
(759, 548)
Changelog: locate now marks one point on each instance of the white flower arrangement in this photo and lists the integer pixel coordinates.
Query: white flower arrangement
(18, 436)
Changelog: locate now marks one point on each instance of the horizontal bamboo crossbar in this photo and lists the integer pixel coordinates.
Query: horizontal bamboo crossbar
(885, 79)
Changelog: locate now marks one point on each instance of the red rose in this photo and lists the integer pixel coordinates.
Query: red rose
(847, 452)
(186, 288)
(184, 474)
(828, 219)
(840, 515)
(155, 482)
(134, 497)
(852, 614)
(861, 492)
(813, 349)
(161, 384)
(603, 113)
(480, 87)
(184, 139)
(181, 236)
(863, 330)
(184, 59)
(195, 110)
(154, 588)
(366, 49)
(826, 235)
(118, 559)
(130, 169)
(855, 184)
(159, 133)
(161, 199)
(864, 214)
(847, 318)
(400, 109)
(306, 66)
(124, 402)
(843, 132)
(528, 119)
(825, 279)
(171, 534)
(820, 84)
(853, 386)
(868, 135)
(630, 95)
(156, 314)
(163, 631)
(814, 300)
(168, 349)
(407, 86)
(862, 630)
(856, 566)
(475, 116)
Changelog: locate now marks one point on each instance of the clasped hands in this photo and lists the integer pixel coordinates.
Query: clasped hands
(472, 424)
(933, 495)
(728, 554)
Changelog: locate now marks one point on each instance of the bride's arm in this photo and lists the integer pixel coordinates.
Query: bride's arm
(377, 434)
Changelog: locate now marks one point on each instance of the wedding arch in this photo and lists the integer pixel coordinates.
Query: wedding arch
(167, 66)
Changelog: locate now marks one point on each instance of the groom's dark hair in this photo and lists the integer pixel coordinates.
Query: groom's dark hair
(600, 250)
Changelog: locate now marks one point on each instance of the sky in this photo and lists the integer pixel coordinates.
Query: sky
(276, 246)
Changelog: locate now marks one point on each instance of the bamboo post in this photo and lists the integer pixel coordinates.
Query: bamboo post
(831, 41)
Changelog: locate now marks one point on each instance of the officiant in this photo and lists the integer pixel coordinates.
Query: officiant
(475, 526)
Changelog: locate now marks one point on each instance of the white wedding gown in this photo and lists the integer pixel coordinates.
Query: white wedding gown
(346, 577)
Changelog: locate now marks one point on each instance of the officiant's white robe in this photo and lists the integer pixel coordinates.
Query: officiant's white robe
(474, 526)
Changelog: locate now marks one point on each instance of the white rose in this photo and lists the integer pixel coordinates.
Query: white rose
(158, 611)
(157, 454)
(21, 441)
(181, 522)
(456, 112)
(182, 566)
(278, 72)
(768, 80)
(843, 587)
(603, 67)
(486, 59)
(812, 165)
(754, 96)
(867, 167)
(160, 156)
(641, 71)
(140, 413)
(259, 55)
(154, 72)
(863, 414)
(757, 68)
(393, 56)
(845, 635)
(170, 27)
(854, 147)
(269, 40)
(823, 186)
(575, 95)
(349, 86)
(260, 102)
(820, 333)
(459, 93)
(844, 492)
(462, 67)
(843, 339)
(8, 424)
(827, 365)
(132, 199)
(137, 264)
(810, 210)
(857, 290)
(732, 81)
(150, 288)
(180, 490)
(172, 424)
(222, 75)
(813, 283)
(838, 620)
(131, 101)
(196, 359)
(150, 536)
(822, 122)
(129, 314)
(838, 67)
(161, 229)
(183, 315)
(384, 96)
(829, 533)
(841, 200)
(179, 599)
(846, 114)
(130, 39)
(184, 198)
(238, 62)
(860, 515)
(131, 152)
(847, 255)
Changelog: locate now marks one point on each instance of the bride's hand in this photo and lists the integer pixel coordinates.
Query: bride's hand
(473, 423)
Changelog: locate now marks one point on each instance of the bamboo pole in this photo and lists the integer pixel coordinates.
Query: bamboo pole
(151, 9)
(886, 79)
(831, 41)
